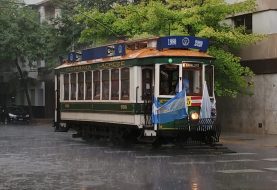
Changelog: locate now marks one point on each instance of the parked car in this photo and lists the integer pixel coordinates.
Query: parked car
(16, 113)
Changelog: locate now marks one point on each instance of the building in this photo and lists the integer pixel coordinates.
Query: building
(40, 82)
(257, 113)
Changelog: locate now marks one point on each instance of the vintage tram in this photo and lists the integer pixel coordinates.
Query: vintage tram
(113, 91)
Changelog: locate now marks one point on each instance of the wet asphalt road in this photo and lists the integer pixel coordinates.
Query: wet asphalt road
(35, 157)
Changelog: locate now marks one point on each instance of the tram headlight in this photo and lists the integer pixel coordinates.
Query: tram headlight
(194, 115)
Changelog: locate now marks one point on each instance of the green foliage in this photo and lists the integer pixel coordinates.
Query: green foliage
(22, 36)
(202, 18)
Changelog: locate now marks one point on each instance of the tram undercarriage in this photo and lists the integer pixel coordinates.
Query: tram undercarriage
(206, 131)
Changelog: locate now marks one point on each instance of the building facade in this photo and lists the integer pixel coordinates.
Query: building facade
(40, 82)
(256, 113)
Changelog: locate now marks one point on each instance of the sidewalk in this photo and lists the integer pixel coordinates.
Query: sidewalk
(248, 139)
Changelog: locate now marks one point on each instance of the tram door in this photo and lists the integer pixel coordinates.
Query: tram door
(147, 93)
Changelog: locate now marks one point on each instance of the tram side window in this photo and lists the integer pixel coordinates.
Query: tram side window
(66, 87)
(80, 86)
(115, 84)
(169, 75)
(73, 86)
(125, 88)
(209, 78)
(105, 84)
(96, 85)
(88, 85)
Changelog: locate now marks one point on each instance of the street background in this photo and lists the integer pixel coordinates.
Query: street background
(35, 157)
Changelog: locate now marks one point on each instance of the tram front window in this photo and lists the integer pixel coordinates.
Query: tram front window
(191, 75)
(169, 75)
(192, 81)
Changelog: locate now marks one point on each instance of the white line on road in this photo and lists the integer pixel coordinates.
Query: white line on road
(271, 169)
(239, 171)
(190, 163)
(270, 159)
(242, 160)
(240, 153)
(147, 157)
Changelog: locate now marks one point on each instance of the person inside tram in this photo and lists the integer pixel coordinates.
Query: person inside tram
(185, 85)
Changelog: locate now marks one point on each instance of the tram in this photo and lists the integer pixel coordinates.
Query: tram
(137, 90)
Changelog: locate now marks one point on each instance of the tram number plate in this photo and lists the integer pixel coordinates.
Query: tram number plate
(188, 101)
(123, 107)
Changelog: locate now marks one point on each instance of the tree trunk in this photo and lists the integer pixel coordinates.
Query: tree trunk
(25, 86)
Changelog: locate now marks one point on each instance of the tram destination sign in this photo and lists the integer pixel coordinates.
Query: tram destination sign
(182, 42)
(103, 52)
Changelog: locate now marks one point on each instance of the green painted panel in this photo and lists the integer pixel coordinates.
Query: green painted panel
(107, 107)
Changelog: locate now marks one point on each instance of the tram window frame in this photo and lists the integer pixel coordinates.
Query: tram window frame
(209, 77)
(66, 86)
(167, 86)
(125, 84)
(114, 84)
(81, 86)
(105, 84)
(96, 85)
(191, 80)
(147, 80)
(88, 85)
(73, 83)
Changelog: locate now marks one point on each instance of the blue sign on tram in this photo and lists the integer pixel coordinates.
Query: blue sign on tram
(103, 52)
(182, 42)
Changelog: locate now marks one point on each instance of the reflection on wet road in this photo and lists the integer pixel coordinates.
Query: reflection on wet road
(34, 157)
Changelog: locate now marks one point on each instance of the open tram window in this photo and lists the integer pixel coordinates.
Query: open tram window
(115, 84)
(66, 87)
(209, 73)
(169, 75)
(125, 88)
(192, 79)
(105, 84)
(88, 85)
(96, 85)
(73, 86)
(80, 86)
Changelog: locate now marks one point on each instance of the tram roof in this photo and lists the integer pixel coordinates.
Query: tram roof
(144, 54)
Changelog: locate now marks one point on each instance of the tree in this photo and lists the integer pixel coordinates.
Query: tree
(22, 38)
(202, 18)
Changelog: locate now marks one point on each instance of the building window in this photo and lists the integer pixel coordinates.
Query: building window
(80, 86)
(244, 21)
(115, 84)
(73, 86)
(105, 84)
(125, 88)
(66, 87)
(88, 85)
(96, 85)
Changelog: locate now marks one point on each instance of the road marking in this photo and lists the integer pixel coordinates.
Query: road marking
(243, 160)
(271, 169)
(118, 151)
(240, 153)
(191, 163)
(270, 159)
(239, 171)
(142, 157)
